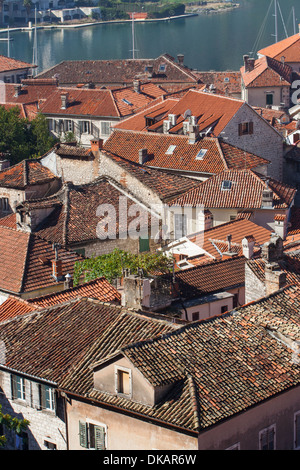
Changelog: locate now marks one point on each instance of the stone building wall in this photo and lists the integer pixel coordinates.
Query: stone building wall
(264, 142)
(45, 426)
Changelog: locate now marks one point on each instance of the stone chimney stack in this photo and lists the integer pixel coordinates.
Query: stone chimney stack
(248, 246)
(143, 156)
(248, 63)
(64, 100)
(137, 86)
(57, 265)
(68, 284)
(280, 225)
(180, 58)
(18, 89)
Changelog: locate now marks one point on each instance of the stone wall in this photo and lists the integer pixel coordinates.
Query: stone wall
(264, 142)
(44, 425)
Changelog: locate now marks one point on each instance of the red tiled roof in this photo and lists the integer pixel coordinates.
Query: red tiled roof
(99, 289)
(289, 48)
(75, 219)
(219, 155)
(129, 101)
(24, 174)
(214, 240)
(13, 307)
(121, 71)
(267, 72)
(83, 102)
(8, 64)
(246, 191)
(25, 261)
(211, 277)
(31, 92)
(224, 83)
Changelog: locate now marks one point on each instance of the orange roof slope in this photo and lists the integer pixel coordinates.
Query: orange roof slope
(13, 307)
(25, 261)
(266, 72)
(214, 241)
(289, 48)
(7, 64)
(26, 173)
(243, 189)
(175, 152)
(99, 289)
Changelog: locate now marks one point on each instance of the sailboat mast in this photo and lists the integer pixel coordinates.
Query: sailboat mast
(35, 59)
(294, 20)
(132, 32)
(8, 42)
(276, 25)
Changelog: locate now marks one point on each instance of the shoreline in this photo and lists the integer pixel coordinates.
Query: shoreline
(196, 12)
(96, 23)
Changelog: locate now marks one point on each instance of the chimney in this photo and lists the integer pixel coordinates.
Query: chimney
(64, 100)
(280, 225)
(248, 246)
(150, 71)
(68, 284)
(166, 126)
(57, 265)
(267, 199)
(193, 134)
(143, 156)
(229, 238)
(96, 145)
(172, 119)
(248, 63)
(180, 58)
(136, 86)
(18, 90)
(272, 251)
(275, 279)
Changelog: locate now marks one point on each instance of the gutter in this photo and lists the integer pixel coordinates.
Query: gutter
(129, 412)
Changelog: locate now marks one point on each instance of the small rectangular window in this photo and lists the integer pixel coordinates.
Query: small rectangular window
(47, 398)
(105, 128)
(123, 382)
(267, 438)
(297, 430)
(18, 387)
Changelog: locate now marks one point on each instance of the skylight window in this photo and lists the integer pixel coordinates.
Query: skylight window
(226, 79)
(226, 184)
(127, 102)
(200, 154)
(162, 67)
(171, 150)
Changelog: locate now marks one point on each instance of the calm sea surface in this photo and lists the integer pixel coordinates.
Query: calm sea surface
(208, 42)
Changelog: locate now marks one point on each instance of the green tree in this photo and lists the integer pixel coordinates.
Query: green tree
(42, 141)
(14, 424)
(20, 138)
(111, 265)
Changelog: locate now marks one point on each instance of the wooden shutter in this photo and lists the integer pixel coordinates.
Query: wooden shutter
(251, 127)
(83, 440)
(42, 397)
(99, 438)
(240, 129)
(13, 387)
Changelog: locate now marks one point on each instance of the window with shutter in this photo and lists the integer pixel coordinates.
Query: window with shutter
(99, 433)
(83, 440)
(18, 387)
(267, 438)
(297, 430)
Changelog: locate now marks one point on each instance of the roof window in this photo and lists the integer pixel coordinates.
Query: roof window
(171, 150)
(226, 79)
(200, 154)
(226, 184)
(127, 102)
(162, 67)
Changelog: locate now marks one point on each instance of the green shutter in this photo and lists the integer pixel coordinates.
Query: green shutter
(99, 438)
(144, 244)
(83, 434)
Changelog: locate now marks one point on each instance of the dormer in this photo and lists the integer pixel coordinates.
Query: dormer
(118, 376)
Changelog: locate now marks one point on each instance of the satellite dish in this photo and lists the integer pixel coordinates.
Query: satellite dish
(187, 113)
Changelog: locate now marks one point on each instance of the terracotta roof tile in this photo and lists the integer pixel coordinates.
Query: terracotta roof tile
(99, 289)
(245, 191)
(266, 72)
(289, 48)
(8, 63)
(24, 174)
(22, 265)
(13, 307)
(219, 155)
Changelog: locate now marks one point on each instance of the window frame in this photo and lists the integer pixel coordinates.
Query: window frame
(296, 435)
(118, 370)
(85, 437)
(105, 126)
(18, 387)
(267, 430)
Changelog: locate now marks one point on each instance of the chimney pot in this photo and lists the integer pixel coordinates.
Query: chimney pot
(180, 58)
(64, 100)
